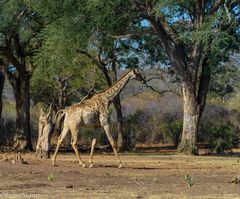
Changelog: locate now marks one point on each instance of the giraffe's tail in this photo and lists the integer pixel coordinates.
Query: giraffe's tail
(59, 118)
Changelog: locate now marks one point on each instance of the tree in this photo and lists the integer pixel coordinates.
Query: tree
(74, 29)
(18, 29)
(63, 85)
(2, 81)
(194, 36)
(226, 78)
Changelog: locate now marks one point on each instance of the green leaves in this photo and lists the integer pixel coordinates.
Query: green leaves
(189, 180)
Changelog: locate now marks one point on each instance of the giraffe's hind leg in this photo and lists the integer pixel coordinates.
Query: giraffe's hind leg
(74, 139)
(60, 139)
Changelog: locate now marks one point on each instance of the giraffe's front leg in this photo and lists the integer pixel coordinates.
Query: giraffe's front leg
(110, 138)
(91, 154)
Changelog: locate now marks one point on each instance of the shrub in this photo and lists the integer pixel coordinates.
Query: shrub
(7, 131)
(171, 131)
(222, 138)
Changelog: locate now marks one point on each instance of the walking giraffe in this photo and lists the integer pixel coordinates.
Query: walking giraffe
(92, 113)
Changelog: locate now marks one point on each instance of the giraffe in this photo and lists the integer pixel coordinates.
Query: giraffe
(94, 113)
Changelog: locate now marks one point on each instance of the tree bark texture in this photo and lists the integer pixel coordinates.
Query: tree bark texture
(45, 126)
(21, 91)
(2, 81)
(191, 119)
(122, 144)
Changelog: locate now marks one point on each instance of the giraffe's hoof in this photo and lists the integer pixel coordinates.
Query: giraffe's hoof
(120, 166)
(91, 165)
(82, 165)
(53, 163)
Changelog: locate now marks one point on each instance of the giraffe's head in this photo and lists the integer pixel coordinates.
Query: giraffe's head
(137, 75)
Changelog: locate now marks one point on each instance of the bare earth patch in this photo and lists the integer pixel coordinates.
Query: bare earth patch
(144, 175)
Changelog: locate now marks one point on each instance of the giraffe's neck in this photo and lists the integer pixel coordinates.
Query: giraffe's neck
(117, 87)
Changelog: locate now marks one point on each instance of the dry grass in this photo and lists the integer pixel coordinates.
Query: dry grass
(144, 175)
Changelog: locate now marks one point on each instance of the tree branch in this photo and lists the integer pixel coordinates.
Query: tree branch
(215, 6)
(12, 58)
(162, 92)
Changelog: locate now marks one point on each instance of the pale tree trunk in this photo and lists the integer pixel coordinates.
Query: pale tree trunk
(21, 91)
(45, 126)
(194, 101)
(191, 119)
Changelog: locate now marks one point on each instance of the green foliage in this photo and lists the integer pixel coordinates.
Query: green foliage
(50, 177)
(136, 126)
(219, 129)
(226, 79)
(19, 19)
(189, 180)
(222, 138)
(171, 131)
(234, 101)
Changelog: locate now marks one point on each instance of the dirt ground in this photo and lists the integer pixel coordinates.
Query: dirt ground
(145, 175)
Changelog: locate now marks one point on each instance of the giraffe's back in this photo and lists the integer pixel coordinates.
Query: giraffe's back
(85, 114)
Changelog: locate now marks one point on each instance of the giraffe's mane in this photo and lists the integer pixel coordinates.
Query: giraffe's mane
(100, 92)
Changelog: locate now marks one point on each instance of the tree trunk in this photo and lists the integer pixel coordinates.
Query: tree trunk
(2, 81)
(121, 142)
(22, 107)
(45, 126)
(191, 119)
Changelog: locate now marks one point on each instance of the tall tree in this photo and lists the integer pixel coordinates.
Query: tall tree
(63, 85)
(18, 29)
(196, 36)
(2, 81)
(75, 29)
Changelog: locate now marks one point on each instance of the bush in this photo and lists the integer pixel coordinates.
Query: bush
(222, 138)
(7, 131)
(136, 125)
(171, 131)
(219, 128)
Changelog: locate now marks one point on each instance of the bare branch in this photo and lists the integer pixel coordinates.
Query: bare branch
(99, 64)
(228, 13)
(90, 93)
(162, 92)
(215, 6)
(233, 4)
(152, 78)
